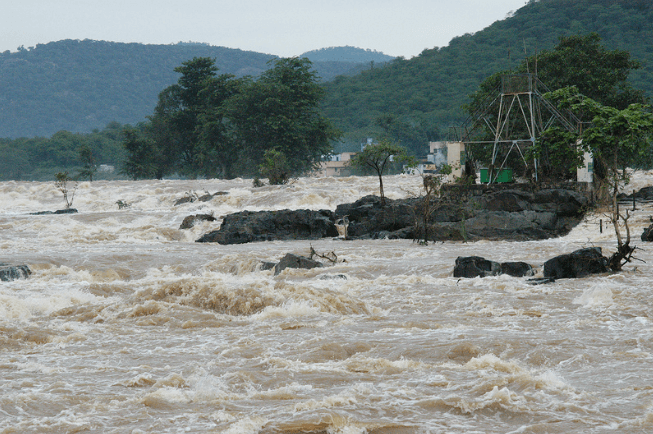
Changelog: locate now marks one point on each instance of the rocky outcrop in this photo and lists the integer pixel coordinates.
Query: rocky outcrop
(481, 212)
(295, 261)
(476, 266)
(645, 193)
(368, 217)
(580, 263)
(249, 226)
(13, 272)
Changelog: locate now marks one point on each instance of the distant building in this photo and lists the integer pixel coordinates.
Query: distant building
(449, 153)
(338, 165)
(105, 168)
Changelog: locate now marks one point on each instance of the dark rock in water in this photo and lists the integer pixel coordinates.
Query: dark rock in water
(540, 280)
(189, 198)
(183, 200)
(332, 277)
(647, 235)
(645, 193)
(190, 221)
(475, 266)
(248, 226)
(368, 217)
(60, 211)
(265, 265)
(580, 263)
(295, 261)
(13, 272)
(517, 269)
(473, 213)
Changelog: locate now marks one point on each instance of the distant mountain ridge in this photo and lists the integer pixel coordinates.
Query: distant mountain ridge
(346, 54)
(80, 86)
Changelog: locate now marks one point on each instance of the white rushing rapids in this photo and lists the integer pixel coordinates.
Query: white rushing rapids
(127, 325)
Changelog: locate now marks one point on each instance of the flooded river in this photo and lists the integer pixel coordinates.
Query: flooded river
(129, 326)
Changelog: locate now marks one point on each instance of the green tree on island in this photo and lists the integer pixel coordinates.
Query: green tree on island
(378, 157)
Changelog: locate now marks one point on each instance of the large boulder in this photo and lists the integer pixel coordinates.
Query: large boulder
(475, 266)
(295, 261)
(580, 263)
(249, 226)
(12, 272)
(368, 217)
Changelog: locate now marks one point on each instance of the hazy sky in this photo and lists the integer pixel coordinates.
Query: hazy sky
(281, 27)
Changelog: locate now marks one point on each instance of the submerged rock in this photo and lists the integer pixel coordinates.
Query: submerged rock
(190, 221)
(266, 265)
(13, 272)
(59, 211)
(647, 235)
(475, 266)
(296, 261)
(580, 263)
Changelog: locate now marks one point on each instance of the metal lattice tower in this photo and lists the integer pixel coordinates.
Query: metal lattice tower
(516, 116)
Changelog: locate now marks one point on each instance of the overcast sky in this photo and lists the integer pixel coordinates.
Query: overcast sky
(281, 27)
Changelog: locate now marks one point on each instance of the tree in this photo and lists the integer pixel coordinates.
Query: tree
(89, 168)
(177, 117)
(275, 167)
(61, 180)
(208, 125)
(615, 138)
(140, 162)
(219, 152)
(377, 158)
(582, 61)
(281, 111)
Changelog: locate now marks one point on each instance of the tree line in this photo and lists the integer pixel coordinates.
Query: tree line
(39, 158)
(210, 125)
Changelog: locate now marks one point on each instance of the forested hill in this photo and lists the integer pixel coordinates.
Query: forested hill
(346, 54)
(418, 99)
(79, 86)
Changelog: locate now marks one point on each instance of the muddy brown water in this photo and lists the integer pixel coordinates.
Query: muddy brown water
(129, 326)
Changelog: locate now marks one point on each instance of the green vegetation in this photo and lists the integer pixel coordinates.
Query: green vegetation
(79, 86)
(40, 158)
(615, 137)
(219, 126)
(61, 182)
(580, 61)
(425, 94)
(347, 54)
(377, 158)
(64, 88)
